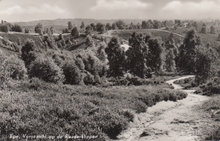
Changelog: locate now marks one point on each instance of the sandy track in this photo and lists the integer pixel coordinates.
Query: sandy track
(170, 121)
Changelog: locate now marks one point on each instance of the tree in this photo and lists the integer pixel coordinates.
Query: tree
(144, 25)
(100, 28)
(82, 26)
(156, 24)
(70, 25)
(93, 26)
(16, 28)
(195, 25)
(51, 30)
(170, 61)
(116, 57)
(28, 53)
(4, 28)
(138, 26)
(26, 30)
(131, 26)
(178, 22)
(72, 73)
(108, 26)
(154, 56)
(39, 28)
(75, 32)
(150, 24)
(187, 52)
(212, 30)
(114, 26)
(120, 24)
(203, 30)
(88, 29)
(137, 56)
(203, 67)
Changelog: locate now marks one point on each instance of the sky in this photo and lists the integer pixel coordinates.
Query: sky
(28, 10)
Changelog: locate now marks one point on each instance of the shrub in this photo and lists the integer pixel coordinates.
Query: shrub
(35, 83)
(26, 30)
(15, 68)
(111, 123)
(72, 73)
(46, 69)
(211, 87)
(128, 114)
(89, 79)
(39, 28)
(75, 32)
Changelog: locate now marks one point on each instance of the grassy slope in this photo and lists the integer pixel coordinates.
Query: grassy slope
(21, 39)
(125, 34)
(40, 108)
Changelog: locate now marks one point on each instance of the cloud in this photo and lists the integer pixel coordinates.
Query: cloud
(44, 11)
(191, 9)
(119, 4)
(12, 10)
(45, 8)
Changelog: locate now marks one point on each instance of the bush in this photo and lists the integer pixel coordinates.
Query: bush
(26, 30)
(46, 69)
(35, 83)
(72, 73)
(111, 123)
(15, 68)
(89, 79)
(187, 83)
(211, 87)
(11, 67)
(75, 32)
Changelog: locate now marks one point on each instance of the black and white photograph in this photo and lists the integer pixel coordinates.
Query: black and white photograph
(109, 70)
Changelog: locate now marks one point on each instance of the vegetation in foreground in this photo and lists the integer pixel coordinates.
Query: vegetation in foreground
(35, 107)
(186, 83)
(213, 108)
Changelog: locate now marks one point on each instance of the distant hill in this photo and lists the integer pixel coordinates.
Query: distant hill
(60, 24)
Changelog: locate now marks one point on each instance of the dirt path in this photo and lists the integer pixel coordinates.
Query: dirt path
(169, 121)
